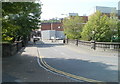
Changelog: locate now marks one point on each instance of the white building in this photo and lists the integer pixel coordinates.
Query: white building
(52, 34)
(106, 10)
(73, 14)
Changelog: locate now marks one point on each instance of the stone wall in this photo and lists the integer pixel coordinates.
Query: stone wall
(94, 45)
(10, 49)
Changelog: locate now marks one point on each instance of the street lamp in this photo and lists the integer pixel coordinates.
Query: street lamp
(93, 42)
(93, 32)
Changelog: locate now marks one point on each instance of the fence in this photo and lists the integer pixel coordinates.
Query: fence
(94, 45)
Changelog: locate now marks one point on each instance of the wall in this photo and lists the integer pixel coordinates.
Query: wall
(52, 26)
(94, 45)
(52, 34)
(11, 49)
(60, 35)
(45, 26)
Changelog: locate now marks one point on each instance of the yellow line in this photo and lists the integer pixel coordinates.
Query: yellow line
(65, 73)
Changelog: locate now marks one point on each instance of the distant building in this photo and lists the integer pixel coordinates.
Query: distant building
(52, 26)
(53, 30)
(85, 18)
(73, 14)
(105, 10)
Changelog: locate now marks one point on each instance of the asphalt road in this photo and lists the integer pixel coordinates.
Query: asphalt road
(24, 67)
(88, 65)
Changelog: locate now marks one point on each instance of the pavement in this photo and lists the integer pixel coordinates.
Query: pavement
(24, 67)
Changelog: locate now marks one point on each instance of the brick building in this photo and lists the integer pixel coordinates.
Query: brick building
(52, 26)
(53, 30)
(85, 18)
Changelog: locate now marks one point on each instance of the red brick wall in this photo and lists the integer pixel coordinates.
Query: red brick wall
(52, 26)
(56, 26)
(85, 18)
(45, 26)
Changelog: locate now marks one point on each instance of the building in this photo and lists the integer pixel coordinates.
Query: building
(73, 14)
(52, 26)
(85, 18)
(53, 30)
(104, 10)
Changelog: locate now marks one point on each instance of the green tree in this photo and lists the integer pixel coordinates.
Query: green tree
(118, 27)
(103, 26)
(19, 18)
(73, 27)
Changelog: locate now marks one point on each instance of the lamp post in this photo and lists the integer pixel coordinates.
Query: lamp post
(93, 32)
(93, 42)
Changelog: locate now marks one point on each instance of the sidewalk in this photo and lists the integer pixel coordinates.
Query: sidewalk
(23, 67)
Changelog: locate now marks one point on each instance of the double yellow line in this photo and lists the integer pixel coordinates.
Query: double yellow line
(65, 73)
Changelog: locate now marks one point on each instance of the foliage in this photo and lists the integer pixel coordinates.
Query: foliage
(51, 20)
(118, 26)
(19, 18)
(73, 27)
(104, 27)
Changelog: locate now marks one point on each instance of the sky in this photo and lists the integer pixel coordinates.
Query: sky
(61, 8)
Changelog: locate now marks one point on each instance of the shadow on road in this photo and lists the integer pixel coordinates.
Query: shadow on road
(23, 67)
(92, 70)
(85, 68)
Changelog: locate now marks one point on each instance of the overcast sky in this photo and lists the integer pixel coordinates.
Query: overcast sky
(54, 8)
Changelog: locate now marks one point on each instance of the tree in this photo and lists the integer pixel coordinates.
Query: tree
(73, 27)
(19, 18)
(102, 26)
(118, 27)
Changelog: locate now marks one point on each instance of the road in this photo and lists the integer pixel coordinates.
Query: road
(87, 65)
(24, 69)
